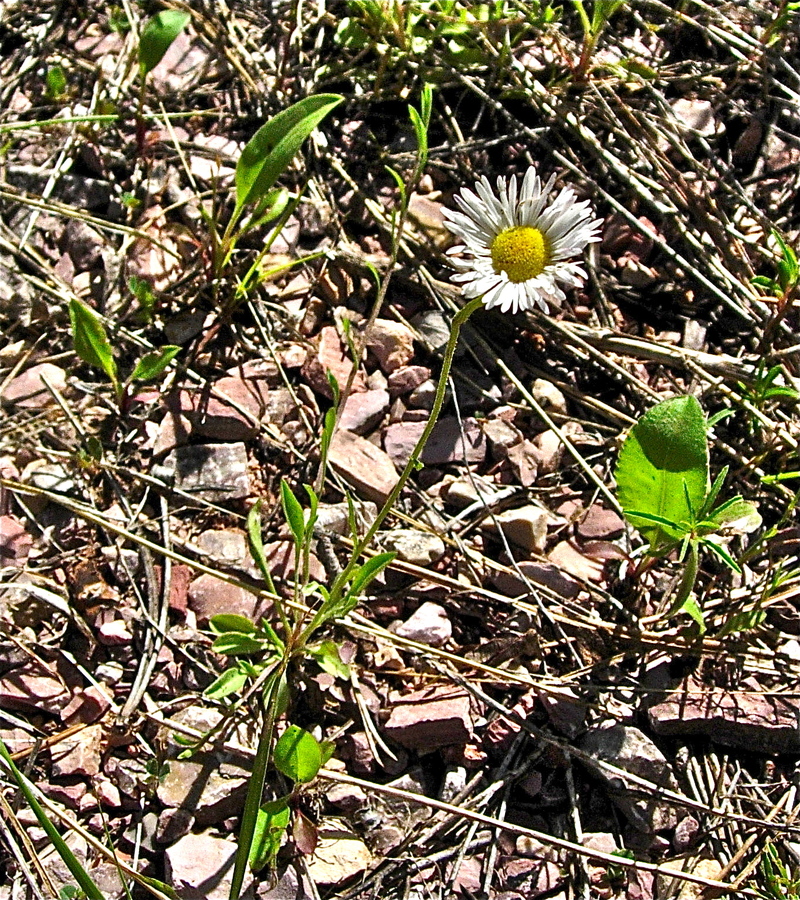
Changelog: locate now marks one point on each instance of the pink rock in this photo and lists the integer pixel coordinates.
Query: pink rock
(107, 793)
(115, 633)
(364, 411)
(392, 343)
(330, 353)
(200, 867)
(600, 522)
(209, 596)
(79, 753)
(743, 719)
(428, 625)
(406, 379)
(431, 718)
(33, 686)
(363, 465)
(234, 408)
(446, 443)
(15, 542)
(280, 556)
(573, 562)
(28, 390)
(87, 705)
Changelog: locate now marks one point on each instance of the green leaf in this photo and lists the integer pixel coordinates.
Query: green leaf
(231, 622)
(231, 681)
(327, 655)
(664, 451)
(763, 281)
(151, 365)
(297, 755)
(269, 152)
(723, 554)
(293, 513)
(157, 36)
(232, 643)
(690, 607)
(271, 824)
(256, 543)
(90, 339)
(78, 872)
(737, 515)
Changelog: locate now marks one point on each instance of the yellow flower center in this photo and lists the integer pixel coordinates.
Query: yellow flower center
(521, 252)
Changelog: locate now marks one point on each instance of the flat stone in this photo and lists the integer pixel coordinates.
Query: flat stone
(340, 855)
(435, 717)
(200, 867)
(428, 625)
(79, 753)
(228, 547)
(420, 548)
(392, 343)
(526, 527)
(28, 391)
(209, 596)
(405, 379)
(173, 824)
(213, 472)
(33, 687)
(434, 329)
(631, 750)
(573, 562)
(210, 791)
(364, 411)
(363, 466)
(87, 705)
(600, 523)
(330, 353)
(745, 720)
(446, 443)
(236, 408)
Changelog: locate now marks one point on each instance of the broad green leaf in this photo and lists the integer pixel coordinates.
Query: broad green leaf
(271, 824)
(151, 365)
(231, 622)
(326, 749)
(90, 339)
(293, 513)
(157, 36)
(231, 681)
(665, 450)
(297, 754)
(233, 643)
(269, 152)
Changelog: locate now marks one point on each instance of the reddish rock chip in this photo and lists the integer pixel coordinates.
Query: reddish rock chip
(435, 717)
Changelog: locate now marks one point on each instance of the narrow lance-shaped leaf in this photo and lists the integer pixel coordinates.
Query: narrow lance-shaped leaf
(151, 365)
(90, 339)
(157, 37)
(293, 513)
(271, 149)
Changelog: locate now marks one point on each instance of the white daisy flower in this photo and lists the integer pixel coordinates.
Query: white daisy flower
(518, 248)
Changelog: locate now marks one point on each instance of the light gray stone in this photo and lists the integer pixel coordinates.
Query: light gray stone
(420, 548)
(213, 472)
(428, 625)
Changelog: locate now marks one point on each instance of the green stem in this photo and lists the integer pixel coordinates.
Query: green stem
(255, 788)
(455, 329)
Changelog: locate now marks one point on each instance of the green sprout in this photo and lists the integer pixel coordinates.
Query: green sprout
(92, 345)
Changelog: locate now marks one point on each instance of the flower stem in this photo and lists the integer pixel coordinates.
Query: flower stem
(455, 329)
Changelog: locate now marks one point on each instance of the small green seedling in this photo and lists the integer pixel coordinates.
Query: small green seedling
(56, 82)
(94, 348)
(664, 488)
(778, 882)
(264, 159)
(787, 273)
(602, 10)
